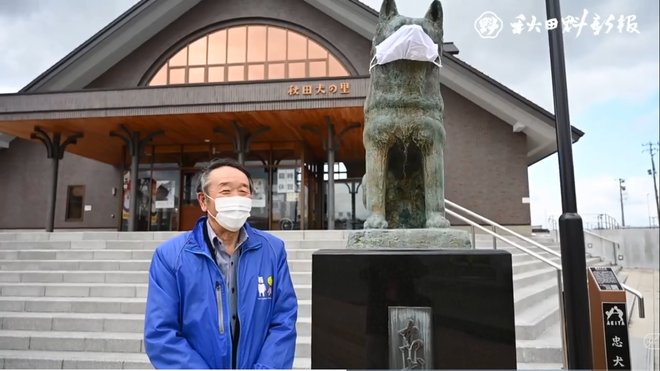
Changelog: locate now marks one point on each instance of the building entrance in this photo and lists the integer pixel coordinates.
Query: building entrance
(271, 208)
(288, 190)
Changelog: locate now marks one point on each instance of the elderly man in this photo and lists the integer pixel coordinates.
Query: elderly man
(221, 296)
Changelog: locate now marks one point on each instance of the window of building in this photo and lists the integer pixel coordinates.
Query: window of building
(75, 203)
(340, 171)
(249, 53)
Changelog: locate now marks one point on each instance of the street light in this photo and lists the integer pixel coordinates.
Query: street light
(576, 301)
(622, 188)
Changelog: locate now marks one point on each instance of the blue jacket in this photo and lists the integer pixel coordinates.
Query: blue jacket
(187, 323)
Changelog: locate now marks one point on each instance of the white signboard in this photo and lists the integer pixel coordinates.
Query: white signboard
(164, 194)
(259, 193)
(286, 180)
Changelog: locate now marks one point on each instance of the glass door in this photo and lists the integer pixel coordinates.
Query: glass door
(190, 210)
(259, 215)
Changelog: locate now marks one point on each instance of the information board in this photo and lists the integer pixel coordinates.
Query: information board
(606, 278)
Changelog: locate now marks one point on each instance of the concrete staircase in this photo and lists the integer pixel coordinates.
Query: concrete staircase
(77, 299)
(538, 334)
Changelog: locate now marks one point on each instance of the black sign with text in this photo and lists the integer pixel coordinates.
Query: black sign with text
(606, 278)
(617, 345)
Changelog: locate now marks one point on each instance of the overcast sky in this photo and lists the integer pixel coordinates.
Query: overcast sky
(612, 78)
(613, 93)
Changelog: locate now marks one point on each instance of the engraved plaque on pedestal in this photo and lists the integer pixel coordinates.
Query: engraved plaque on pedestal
(410, 338)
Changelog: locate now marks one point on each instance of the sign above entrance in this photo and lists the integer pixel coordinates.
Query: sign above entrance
(319, 89)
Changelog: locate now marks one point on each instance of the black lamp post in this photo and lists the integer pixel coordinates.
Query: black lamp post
(573, 261)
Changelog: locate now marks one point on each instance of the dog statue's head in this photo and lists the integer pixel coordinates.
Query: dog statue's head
(389, 20)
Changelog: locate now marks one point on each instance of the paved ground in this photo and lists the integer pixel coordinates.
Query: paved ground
(645, 281)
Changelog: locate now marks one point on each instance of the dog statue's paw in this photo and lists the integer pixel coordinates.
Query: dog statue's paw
(436, 220)
(375, 221)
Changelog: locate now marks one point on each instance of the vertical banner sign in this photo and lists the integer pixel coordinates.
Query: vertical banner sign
(617, 345)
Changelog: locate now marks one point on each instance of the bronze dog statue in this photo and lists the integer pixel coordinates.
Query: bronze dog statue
(404, 136)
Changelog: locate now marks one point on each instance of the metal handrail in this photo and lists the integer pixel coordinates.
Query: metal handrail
(504, 239)
(560, 287)
(640, 299)
(601, 237)
(629, 289)
(615, 244)
(558, 267)
(498, 226)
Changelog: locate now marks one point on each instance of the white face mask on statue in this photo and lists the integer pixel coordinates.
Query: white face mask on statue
(232, 212)
(408, 42)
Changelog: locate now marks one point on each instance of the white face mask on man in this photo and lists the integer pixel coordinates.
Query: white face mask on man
(231, 212)
(408, 42)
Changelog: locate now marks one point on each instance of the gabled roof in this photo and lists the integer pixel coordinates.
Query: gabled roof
(148, 17)
(451, 55)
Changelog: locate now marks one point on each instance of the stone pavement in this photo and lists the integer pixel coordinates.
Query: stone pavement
(646, 282)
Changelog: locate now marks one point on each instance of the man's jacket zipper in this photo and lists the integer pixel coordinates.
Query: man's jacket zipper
(221, 315)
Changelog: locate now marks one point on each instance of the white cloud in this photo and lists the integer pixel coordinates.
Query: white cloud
(614, 67)
(589, 85)
(597, 195)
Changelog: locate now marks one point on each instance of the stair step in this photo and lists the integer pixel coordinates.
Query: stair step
(94, 322)
(527, 297)
(71, 341)
(32, 359)
(77, 299)
(102, 277)
(100, 255)
(536, 320)
(545, 349)
(540, 366)
(46, 304)
(144, 245)
(107, 290)
(298, 265)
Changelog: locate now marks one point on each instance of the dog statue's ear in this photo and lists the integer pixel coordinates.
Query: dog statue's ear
(388, 11)
(434, 14)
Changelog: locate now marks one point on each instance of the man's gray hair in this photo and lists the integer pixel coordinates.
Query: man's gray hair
(216, 163)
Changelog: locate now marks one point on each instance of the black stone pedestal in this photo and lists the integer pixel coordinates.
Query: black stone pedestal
(432, 309)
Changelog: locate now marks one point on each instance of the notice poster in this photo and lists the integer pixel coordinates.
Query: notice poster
(259, 193)
(126, 194)
(164, 194)
(286, 180)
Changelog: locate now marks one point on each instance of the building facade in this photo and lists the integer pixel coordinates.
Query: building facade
(278, 85)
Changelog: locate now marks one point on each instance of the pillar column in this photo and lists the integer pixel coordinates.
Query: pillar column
(135, 145)
(353, 189)
(55, 148)
(330, 145)
(241, 139)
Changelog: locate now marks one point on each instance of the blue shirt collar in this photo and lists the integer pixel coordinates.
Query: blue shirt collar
(215, 240)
